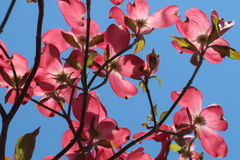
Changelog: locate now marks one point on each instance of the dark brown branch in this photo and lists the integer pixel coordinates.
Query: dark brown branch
(7, 15)
(7, 119)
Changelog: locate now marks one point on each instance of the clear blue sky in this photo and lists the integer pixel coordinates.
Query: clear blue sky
(219, 83)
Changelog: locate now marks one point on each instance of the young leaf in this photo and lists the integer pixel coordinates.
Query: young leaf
(184, 43)
(96, 40)
(158, 79)
(73, 63)
(175, 147)
(140, 45)
(91, 57)
(194, 59)
(25, 145)
(162, 115)
(154, 110)
(142, 85)
(227, 51)
(70, 40)
(128, 22)
(215, 31)
(153, 60)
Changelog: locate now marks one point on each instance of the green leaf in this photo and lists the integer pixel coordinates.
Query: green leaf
(175, 147)
(194, 59)
(142, 85)
(153, 60)
(128, 22)
(227, 51)
(70, 40)
(97, 39)
(25, 145)
(90, 59)
(154, 111)
(158, 79)
(162, 115)
(215, 34)
(73, 63)
(140, 45)
(184, 43)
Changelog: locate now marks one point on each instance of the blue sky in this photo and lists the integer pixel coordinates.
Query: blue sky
(219, 83)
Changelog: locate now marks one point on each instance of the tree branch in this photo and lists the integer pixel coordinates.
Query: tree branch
(7, 15)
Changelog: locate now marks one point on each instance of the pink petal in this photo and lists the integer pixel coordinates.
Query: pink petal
(51, 103)
(131, 66)
(123, 88)
(181, 117)
(117, 2)
(105, 129)
(81, 30)
(213, 115)
(164, 17)
(212, 142)
(54, 36)
(211, 55)
(66, 139)
(197, 23)
(117, 14)
(102, 153)
(50, 60)
(192, 100)
(20, 64)
(223, 25)
(118, 37)
(164, 150)
(2, 55)
(138, 154)
(138, 10)
(121, 136)
(95, 109)
(73, 12)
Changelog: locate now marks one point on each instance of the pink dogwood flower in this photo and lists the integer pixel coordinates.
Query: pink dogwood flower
(73, 13)
(138, 12)
(117, 38)
(197, 29)
(204, 121)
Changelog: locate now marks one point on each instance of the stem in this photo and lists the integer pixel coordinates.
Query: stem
(7, 119)
(7, 15)
(150, 101)
(46, 107)
(154, 129)
(14, 71)
(85, 88)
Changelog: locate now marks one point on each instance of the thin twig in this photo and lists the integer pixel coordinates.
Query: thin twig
(150, 102)
(14, 71)
(46, 107)
(7, 15)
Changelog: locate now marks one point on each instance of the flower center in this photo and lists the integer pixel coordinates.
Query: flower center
(200, 120)
(202, 39)
(141, 23)
(115, 66)
(62, 77)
